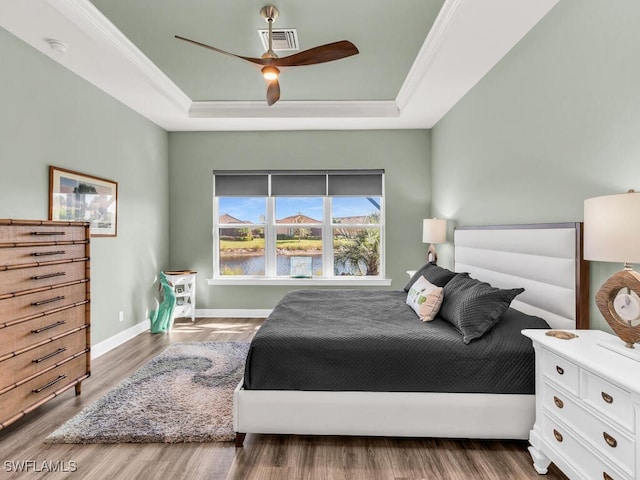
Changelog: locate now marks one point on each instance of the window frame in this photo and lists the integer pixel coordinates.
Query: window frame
(270, 227)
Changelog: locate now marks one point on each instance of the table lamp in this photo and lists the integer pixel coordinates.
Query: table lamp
(434, 230)
(612, 234)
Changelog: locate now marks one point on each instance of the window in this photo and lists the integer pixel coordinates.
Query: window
(263, 219)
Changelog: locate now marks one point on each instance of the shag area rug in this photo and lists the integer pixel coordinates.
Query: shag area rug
(185, 394)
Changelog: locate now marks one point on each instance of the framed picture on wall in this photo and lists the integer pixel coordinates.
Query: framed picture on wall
(78, 197)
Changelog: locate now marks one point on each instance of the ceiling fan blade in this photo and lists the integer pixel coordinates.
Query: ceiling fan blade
(273, 92)
(259, 61)
(323, 53)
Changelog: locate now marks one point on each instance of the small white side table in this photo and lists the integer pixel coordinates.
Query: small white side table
(184, 287)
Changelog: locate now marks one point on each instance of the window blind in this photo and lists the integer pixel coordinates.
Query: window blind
(292, 183)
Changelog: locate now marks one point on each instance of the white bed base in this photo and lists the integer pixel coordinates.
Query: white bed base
(545, 257)
(389, 414)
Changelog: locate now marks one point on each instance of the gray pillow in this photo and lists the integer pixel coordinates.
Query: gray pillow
(433, 273)
(474, 307)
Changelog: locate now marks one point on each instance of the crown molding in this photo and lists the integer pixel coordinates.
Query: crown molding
(87, 18)
(428, 52)
(291, 109)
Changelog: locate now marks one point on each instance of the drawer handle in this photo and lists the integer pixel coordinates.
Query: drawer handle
(560, 370)
(49, 327)
(606, 476)
(559, 403)
(42, 302)
(53, 252)
(558, 435)
(612, 442)
(48, 275)
(48, 233)
(52, 382)
(607, 398)
(52, 354)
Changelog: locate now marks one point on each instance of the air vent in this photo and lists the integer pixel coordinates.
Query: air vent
(283, 39)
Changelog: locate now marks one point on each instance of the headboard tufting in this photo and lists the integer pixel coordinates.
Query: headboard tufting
(545, 259)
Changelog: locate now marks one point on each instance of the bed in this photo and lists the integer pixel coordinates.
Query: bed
(362, 366)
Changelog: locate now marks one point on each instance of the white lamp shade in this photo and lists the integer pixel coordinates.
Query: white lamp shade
(434, 230)
(612, 228)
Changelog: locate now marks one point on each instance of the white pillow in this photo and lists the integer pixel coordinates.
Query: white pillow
(425, 298)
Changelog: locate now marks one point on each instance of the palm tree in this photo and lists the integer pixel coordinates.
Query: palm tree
(360, 253)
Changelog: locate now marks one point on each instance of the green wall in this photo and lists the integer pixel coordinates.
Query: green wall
(52, 117)
(555, 122)
(404, 154)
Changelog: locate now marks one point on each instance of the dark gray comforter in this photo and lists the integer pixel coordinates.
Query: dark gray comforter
(366, 340)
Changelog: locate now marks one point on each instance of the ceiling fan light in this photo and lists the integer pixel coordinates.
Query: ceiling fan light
(270, 73)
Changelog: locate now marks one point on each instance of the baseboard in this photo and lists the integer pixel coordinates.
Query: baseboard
(112, 342)
(233, 313)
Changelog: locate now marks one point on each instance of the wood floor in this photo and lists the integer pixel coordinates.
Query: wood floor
(268, 457)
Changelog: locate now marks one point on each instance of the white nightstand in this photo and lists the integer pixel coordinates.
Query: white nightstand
(587, 408)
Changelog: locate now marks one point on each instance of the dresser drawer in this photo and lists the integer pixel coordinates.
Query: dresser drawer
(609, 440)
(24, 397)
(21, 279)
(36, 360)
(609, 399)
(40, 233)
(576, 454)
(31, 254)
(21, 335)
(560, 370)
(50, 299)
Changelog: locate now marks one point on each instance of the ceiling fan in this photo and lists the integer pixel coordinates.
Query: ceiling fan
(271, 63)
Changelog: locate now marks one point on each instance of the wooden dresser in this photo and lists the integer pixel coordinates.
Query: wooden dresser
(587, 408)
(44, 313)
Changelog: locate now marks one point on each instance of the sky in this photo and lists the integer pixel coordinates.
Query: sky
(252, 209)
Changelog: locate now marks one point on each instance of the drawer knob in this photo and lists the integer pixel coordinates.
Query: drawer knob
(560, 370)
(558, 435)
(559, 403)
(606, 476)
(607, 398)
(612, 442)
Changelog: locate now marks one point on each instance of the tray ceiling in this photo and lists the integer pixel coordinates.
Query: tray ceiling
(416, 60)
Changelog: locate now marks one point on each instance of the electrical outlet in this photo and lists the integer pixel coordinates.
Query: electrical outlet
(120, 316)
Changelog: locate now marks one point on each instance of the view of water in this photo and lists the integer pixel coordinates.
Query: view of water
(254, 265)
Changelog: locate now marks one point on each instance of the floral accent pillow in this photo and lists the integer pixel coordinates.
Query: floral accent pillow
(425, 298)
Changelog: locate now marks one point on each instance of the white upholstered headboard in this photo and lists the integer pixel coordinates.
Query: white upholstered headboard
(545, 259)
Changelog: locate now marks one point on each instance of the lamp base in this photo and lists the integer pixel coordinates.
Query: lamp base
(432, 256)
(622, 317)
(616, 345)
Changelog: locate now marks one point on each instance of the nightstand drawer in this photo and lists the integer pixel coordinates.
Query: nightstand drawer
(610, 441)
(612, 401)
(561, 371)
(563, 407)
(569, 448)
